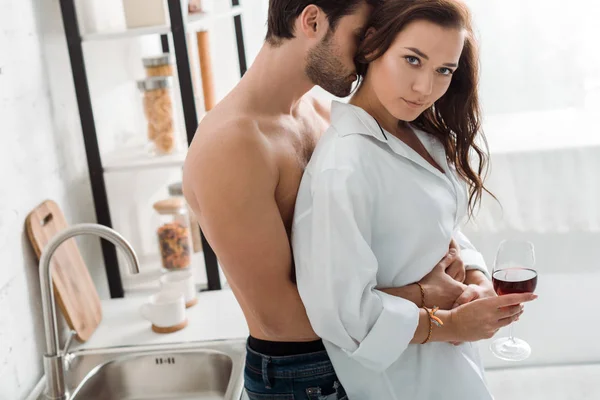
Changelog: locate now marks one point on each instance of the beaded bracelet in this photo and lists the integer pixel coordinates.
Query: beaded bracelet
(422, 294)
(432, 320)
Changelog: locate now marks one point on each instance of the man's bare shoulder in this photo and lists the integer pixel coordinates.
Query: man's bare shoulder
(227, 149)
(226, 139)
(320, 106)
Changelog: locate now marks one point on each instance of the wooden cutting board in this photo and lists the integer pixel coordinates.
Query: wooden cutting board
(74, 289)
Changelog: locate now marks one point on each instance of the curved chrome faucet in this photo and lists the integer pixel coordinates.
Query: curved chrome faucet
(53, 359)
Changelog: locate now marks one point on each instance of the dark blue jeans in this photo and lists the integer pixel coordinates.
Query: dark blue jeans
(300, 377)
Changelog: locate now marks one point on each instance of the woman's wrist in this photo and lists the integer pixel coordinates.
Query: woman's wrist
(447, 332)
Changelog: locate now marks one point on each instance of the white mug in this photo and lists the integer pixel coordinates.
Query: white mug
(165, 309)
(182, 282)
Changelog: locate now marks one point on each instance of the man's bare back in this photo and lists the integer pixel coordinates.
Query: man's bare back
(241, 178)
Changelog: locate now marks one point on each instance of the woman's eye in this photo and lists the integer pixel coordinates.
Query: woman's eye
(445, 71)
(412, 60)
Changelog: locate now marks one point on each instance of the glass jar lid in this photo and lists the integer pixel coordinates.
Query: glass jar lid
(176, 189)
(157, 61)
(170, 206)
(154, 83)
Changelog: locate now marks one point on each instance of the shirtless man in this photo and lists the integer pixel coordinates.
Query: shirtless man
(242, 174)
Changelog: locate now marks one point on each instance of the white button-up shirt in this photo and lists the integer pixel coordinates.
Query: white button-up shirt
(372, 213)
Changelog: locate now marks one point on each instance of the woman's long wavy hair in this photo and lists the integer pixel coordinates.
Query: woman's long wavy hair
(455, 119)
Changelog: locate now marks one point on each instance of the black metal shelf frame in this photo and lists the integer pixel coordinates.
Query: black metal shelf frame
(88, 126)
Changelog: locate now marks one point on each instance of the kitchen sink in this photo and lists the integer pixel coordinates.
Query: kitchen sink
(199, 371)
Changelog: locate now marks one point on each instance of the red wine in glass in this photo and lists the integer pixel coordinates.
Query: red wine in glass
(514, 280)
(514, 272)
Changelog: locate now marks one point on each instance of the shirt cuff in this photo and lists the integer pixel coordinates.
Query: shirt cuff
(390, 335)
(473, 260)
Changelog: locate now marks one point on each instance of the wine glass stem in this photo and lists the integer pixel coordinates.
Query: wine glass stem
(510, 334)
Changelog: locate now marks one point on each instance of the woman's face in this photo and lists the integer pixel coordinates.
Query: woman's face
(417, 68)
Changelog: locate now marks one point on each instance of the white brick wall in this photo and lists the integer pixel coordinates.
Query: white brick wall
(42, 153)
(41, 156)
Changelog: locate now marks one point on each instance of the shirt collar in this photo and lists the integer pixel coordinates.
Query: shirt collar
(349, 119)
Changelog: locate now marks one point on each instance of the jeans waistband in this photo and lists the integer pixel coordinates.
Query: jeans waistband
(282, 349)
(299, 362)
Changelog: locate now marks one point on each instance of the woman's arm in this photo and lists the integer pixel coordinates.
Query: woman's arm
(474, 321)
(336, 272)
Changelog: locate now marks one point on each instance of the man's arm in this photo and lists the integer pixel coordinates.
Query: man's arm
(472, 259)
(231, 182)
(440, 289)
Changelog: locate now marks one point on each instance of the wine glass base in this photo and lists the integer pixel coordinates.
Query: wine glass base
(510, 349)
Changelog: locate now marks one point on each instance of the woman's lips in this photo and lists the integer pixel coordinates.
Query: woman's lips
(412, 104)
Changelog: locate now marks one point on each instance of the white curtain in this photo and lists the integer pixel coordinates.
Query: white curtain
(540, 92)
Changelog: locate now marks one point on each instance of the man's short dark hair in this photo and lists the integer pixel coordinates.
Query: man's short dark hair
(283, 14)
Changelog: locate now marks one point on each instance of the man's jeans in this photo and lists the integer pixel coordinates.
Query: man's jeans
(299, 377)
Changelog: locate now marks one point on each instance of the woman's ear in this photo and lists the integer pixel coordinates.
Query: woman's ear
(368, 35)
(370, 32)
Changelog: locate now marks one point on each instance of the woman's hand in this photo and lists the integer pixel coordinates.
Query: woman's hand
(482, 318)
(441, 289)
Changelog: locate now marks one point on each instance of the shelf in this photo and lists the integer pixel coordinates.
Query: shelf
(201, 22)
(146, 282)
(196, 23)
(136, 158)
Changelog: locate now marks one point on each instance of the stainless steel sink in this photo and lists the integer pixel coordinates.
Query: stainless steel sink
(202, 371)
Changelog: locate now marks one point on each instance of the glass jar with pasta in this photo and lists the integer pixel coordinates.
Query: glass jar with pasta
(174, 233)
(159, 111)
(158, 65)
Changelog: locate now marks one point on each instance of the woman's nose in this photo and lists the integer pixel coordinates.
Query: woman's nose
(423, 84)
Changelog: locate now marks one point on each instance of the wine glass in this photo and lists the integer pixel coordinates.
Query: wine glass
(514, 272)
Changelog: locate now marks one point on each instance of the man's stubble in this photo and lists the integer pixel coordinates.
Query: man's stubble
(324, 68)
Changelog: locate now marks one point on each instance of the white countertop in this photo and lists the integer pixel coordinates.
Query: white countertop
(217, 315)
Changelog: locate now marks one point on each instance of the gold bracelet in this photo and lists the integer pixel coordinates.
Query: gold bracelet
(422, 294)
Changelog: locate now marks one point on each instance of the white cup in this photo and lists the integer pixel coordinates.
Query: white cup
(165, 309)
(182, 282)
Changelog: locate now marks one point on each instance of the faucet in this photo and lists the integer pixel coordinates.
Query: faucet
(54, 367)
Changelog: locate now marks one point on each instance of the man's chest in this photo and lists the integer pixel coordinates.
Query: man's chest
(293, 155)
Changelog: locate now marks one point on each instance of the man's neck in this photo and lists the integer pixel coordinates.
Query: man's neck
(276, 81)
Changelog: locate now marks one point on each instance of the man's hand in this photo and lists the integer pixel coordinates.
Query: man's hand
(441, 289)
(479, 287)
(456, 269)
(472, 292)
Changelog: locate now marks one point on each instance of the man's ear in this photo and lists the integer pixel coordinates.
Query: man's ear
(312, 21)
